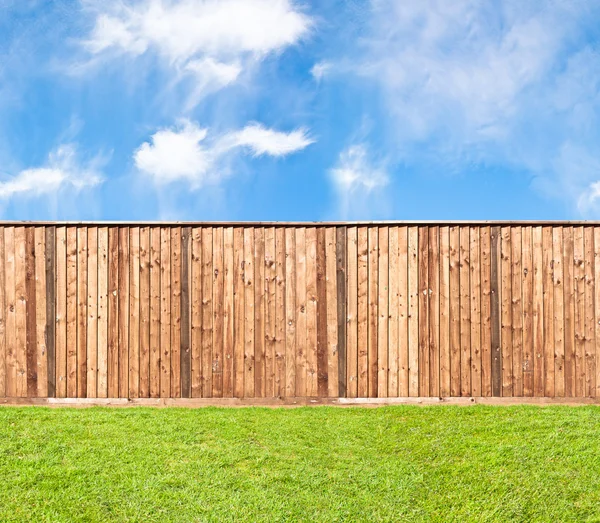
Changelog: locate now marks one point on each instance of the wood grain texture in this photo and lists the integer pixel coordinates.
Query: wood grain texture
(270, 311)
(72, 313)
(290, 312)
(506, 311)
(434, 311)
(538, 312)
(475, 301)
(165, 312)
(403, 313)
(102, 380)
(311, 312)
(444, 321)
(465, 313)
(383, 314)
(239, 346)
(579, 298)
(495, 311)
(259, 313)
(413, 311)
(280, 313)
(144, 379)
(228, 313)
(82, 311)
(517, 309)
(50, 331)
(41, 309)
(10, 312)
(112, 367)
(248, 275)
(31, 356)
(423, 296)
(589, 327)
(569, 309)
(363, 311)
(527, 293)
(332, 323)
(342, 308)
(486, 313)
(155, 312)
(393, 311)
(559, 316)
(134, 313)
(352, 313)
(175, 370)
(548, 307)
(207, 312)
(218, 313)
(91, 383)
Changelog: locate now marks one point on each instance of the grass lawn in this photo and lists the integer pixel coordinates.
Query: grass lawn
(436, 463)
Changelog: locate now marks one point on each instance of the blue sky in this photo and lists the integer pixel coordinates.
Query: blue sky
(297, 110)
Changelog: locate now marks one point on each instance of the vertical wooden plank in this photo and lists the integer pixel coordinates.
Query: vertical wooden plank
(383, 313)
(301, 297)
(311, 312)
(155, 307)
(21, 311)
(196, 309)
(444, 315)
(424, 311)
(144, 312)
(2, 315)
(495, 311)
(165, 312)
(207, 311)
(579, 281)
(413, 311)
(506, 310)
(352, 313)
(548, 307)
(50, 232)
(218, 290)
(334, 323)
(486, 326)
(373, 263)
(403, 313)
(269, 312)
(249, 311)
(175, 233)
(186, 352)
(589, 327)
(569, 295)
(434, 311)
(259, 312)
(475, 275)
(123, 311)
(61, 302)
(290, 310)
(527, 286)
(454, 271)
(239, 345)
(538, 312)
(228, 304)
(10, 311)
(394, 314)
(280, 315)
(40, 312)
(559, 317)
(363, 312)
(72, 344)
(596, 307)
(92, 314)
(82, 269)
(465, 314)
(102, 385)
(322, 354)
(31, 363)
(113, 313)
(517, 309)
(134, 312)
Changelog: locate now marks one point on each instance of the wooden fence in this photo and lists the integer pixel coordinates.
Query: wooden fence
(299, 310)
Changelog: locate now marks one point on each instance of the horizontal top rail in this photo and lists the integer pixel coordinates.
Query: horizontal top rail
(108, 223)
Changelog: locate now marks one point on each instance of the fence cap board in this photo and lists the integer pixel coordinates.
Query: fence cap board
(157, 223)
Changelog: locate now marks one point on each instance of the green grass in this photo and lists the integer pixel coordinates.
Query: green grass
(309, 464)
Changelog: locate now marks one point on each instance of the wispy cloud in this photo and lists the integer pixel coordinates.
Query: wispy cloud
(469, 83)
(62, 171)
(357, 180)
(320, 70)
(188, 153)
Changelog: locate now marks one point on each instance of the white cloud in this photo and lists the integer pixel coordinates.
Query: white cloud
(355, 178)
(212, 38)
(189, 154)
(320, 70)
(62, 171)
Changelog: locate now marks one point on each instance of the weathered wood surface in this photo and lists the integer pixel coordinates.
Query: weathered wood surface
(299, 311)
